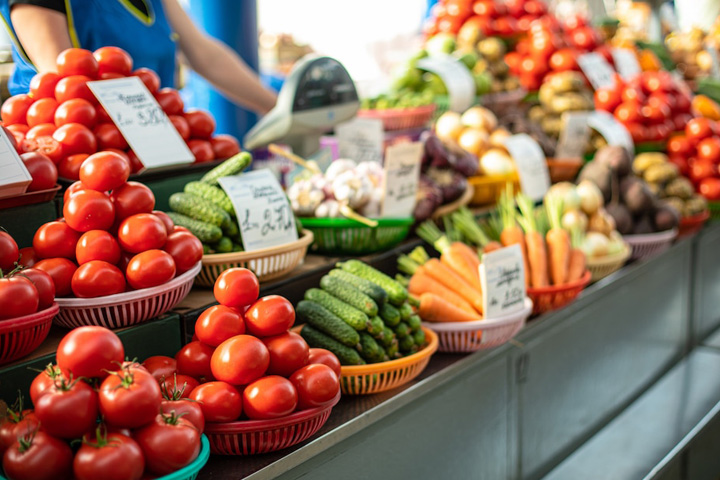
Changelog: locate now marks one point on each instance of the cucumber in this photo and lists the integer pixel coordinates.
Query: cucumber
(232, 166)
(224, 245)
(214, 194)
(207, 249)
(419, 337)
(317, 339)
(231, 229)
(199, 209)
(365, 286)
(390, 315)
(402, 330)
(237, 247)
(349, 294)
(371, 351)
(315, 315)
(406, 311)
(388, 337)
(396, 292)
(205, 232)
(414, 323)
(350, 315)
(407, 344)
(376, 328)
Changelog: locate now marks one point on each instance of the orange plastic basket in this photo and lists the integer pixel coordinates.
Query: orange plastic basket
(692, 225)
(488, 188)
(378, 377)
(546, 299)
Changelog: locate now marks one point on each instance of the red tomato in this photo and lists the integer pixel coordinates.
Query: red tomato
(633, 95)
(317, 385)
(55, 239)
(584, 38)
(628, 112)
(67, 409)
(150, 269)
(46, 146)
(42, 111)
(682, 103)
(15, 109)
(75, 138)
(202, 124)
(61, 270)
(533, 66)
(449, 24)
(270, 397)
(89, 210)
(18, 297)
(698, 129)
(178, 386)
(270, 315)
(505, 26)
(638, 132)
(194, 359)
(185, 249)
(485, 8)
(219, 323)
(69, 167)
(43, 171)
(236, 287)
(655, 113)
(75, 110)
(170, 101)
(679, 145)
(160, 367)
(90, 352)
(97, 279)
(658, 132)
(682, 164)
(16, 135)
(77, 61)
(102, 115)
(288, 353)
(661, 98)
(27, 256)
(169, 224)
(74, 86)
(224, 146)
(701, 169)
(109, 136)
(181, 125)
(710, 188)
(113, 59)
(709, 149)
(149, 78)
(129, 398)
(189, 410)
(656, 81)
(140, 232)
(97, 245)
(9, 252)
(113, 456)
(219, 401)
(43, 284)
(563, 60)
(45, 379)
(104, 171)
(201, 149)
(43, 457)
(240, 360)
(16, 425)
(42, 85)
(41, 130)
(513, 60)
(168, 443)
(122, 153)
(325, 357)
(132, 198)
(680, 120)
(135, 163)
(535, 7)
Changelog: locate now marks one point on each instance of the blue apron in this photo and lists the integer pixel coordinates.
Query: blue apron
(99, 23)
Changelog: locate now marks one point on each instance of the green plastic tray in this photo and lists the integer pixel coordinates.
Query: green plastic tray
(342, 236)
(714, 211)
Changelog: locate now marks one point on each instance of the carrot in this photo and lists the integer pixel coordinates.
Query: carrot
(434, 308)
(465, 262)
(421, 283)
(511, 234)
(536, 250)
(577, 258)
(492, 246)
(558, 242)
(447, 276)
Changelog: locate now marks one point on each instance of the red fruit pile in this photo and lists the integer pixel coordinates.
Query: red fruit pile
(61, 118)
(696, 152)
(41, 168)
(244, 362)
(141, 435)
(110, 240)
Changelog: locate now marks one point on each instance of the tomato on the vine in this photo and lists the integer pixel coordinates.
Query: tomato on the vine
(240, 360)
(218, 323)
(97, 279)
(97, 245)
(271, 397)
(90, 352)
(18, 297)
(28, 257)
(109, 456)
(169, 443)
(129, 398)
(38, 456)
(61, 270)
(288, 353)
(189, 410)
(178, 385)
(236, 287)
(104, 171)
(270, 315)
(89, 210)
(45, 380)
(67, 409)
(160, 367)
(8, 252)
(219, 401)
(16, 425)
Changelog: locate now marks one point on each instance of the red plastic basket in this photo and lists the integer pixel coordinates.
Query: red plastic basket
(125, 309)
(692, 225)
(29, 198)
(20, 336)
(648, 245)
(250, 437)
(401, 118)
(546, 299)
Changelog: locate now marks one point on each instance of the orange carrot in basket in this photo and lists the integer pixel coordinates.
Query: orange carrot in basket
(492, 246)
(558, 242)
(447, 276)
(511, 233)
(421, 283)
(434, 308)
(464, 261)
(578, 262)
(535, 242)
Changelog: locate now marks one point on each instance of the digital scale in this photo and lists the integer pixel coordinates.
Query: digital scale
(317, 95)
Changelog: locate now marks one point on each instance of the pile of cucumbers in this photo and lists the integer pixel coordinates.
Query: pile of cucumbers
(361, 315)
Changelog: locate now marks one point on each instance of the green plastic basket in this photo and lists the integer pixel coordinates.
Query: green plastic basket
(714, 211)
(342, 236)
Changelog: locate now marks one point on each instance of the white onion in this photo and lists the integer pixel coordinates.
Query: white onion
(496, 162)
(449, 126)
(591, 198)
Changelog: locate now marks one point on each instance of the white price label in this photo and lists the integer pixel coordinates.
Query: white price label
(531, 165)
(142, 122)
(14, 177)
(361, 139)
(263, 211)
(597, 70)
(574, 136)
(502, 275)
(458, 80)
(402, 175)
(626, 63)
(613, 131)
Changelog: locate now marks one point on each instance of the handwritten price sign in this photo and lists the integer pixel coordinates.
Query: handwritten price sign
(262, 209)
(361, 139)
(597, 70)
(502, 275)
(402, 175)
(142, 122)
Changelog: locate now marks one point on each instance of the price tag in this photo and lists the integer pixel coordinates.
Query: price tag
(502, 275)
(142, 122)
(613, 131)
(262, 209)
(574, 136)
(14, 177)
(402, 174)
(361, 139)
(597, 70)
(531, 165)
(626, 63)
(458, 80)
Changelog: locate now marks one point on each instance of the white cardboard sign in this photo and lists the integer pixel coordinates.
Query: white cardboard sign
(458, 80)
(402, 175)
(626, 63)
(14, 177)
(142, 122)
(574, 136)
(613, 131)
(597, 70)
(361, 139)
(531, 165)
(502, 276)
(263, 211)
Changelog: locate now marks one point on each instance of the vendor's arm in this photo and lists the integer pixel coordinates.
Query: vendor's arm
(42, 32)
(218, 63)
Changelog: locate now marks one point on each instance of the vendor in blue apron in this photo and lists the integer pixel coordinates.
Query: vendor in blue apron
(149, 30)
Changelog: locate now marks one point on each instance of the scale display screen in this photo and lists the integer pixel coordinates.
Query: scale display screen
(324, 84)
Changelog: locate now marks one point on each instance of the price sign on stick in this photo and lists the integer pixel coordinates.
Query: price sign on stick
(361, 139)
(574, 136)
(612, 130)
(263, 211)
(502, 275)
(457, 78)
(402, 174)
(142, 122)
(14, 177)
(597, 70)
(531, 165)
(626, 63)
